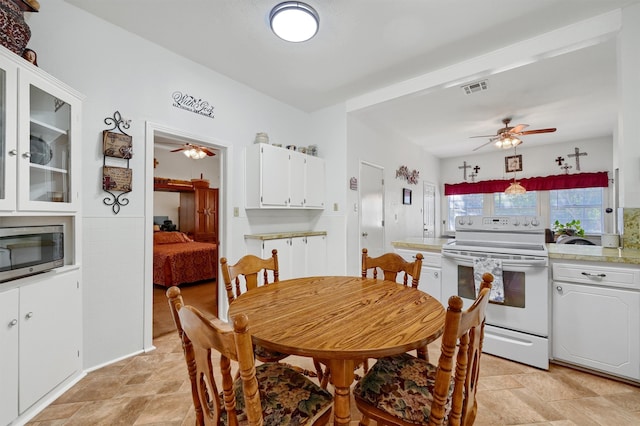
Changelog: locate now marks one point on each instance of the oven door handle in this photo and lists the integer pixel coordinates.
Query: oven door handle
(505, 262)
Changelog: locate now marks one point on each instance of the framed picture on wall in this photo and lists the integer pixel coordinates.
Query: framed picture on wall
(513, 163)
(406, 196)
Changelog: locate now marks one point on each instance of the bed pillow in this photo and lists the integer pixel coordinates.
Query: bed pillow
(170, 238)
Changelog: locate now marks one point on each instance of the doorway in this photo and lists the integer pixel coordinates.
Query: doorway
(166, 151)
(429, 211)
(372, 208)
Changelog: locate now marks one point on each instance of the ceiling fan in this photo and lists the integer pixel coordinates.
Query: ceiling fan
(507, 137)
(194, 151)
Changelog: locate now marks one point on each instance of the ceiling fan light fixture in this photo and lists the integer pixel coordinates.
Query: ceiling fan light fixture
(506, 142)
(194, 153)
(294, 21)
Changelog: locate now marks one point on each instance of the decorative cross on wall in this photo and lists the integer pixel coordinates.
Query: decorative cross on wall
(566, 168)
(473, 177)
(476, 169)
(559, 160)
(577, 154)
(464, 168)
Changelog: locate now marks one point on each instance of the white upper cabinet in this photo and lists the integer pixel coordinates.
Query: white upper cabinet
(282, 178)
(39, 139)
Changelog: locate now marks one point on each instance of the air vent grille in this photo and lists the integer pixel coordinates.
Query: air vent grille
(476, 86)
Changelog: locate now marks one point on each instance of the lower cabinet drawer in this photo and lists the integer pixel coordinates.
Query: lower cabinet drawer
(623, 277)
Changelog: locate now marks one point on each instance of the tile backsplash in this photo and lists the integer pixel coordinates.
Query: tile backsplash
(630, 232)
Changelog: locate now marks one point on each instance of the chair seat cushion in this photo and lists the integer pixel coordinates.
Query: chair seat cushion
(265, 355)
(402, 386)
(287, 397)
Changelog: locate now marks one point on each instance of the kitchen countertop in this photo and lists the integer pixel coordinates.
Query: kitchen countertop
(279, 235)
(418, 243)
(556, 251)
(593, 253)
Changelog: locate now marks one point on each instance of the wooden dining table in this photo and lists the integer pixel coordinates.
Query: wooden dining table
(341, 321)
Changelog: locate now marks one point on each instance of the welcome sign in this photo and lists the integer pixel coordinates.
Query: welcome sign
(191, 103)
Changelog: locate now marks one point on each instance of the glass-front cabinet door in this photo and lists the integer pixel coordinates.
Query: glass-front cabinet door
(8, 139)
(47, 145)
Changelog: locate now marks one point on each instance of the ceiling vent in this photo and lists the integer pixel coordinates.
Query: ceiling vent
(476, 86)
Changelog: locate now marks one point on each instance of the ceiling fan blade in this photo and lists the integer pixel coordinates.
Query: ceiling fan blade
(483, 136)
(533, 132)
(483, 145)
(178, 149)
(519, 128)
(208, 151)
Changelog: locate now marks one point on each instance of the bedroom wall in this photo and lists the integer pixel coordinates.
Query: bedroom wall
(174, 165)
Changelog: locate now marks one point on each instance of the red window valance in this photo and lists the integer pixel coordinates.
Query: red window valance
(540, 183)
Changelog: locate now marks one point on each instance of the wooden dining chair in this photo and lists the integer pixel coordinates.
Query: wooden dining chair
(405, 390)
(269, 394)
(248, 271)
(250, 268)
(392, 264)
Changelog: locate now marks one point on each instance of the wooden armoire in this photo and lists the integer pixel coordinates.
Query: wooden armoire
(199, 214)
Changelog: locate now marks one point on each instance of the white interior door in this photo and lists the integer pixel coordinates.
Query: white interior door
(372, 208)
(429, 210)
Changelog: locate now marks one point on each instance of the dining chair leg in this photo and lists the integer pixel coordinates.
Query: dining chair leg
(423, 353)
(364, 421)
(319, 373)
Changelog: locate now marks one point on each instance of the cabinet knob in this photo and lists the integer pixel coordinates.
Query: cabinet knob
(559, 288)
(29, 315)
(26, 154)
(364, 234)
(435, 274)
(13, 322)
(13, 152)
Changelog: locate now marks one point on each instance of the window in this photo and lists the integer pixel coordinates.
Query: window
(583, 204)
(464, 205)
(515, 205)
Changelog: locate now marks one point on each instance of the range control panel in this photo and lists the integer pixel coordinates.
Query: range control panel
(498, 223)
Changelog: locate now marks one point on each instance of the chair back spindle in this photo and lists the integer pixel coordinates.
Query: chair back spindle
(391, 264)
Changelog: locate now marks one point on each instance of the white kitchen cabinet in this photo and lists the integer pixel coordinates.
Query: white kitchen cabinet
(9, 355)
(430, 274)
(282, 178)
(314, 182)
(298, 255)
(38, 139)
(596, 317)
(40, 340)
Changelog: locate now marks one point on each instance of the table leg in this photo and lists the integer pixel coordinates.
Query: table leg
(342, 377)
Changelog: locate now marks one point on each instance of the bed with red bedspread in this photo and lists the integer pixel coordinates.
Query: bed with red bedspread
(177, 259)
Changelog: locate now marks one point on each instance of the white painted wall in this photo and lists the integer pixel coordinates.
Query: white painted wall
(389, 152)
(119, 71)
(174, 165)
(536, 160)
(629, 98)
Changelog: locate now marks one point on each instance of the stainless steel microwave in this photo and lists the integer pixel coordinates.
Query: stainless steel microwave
(28, 250)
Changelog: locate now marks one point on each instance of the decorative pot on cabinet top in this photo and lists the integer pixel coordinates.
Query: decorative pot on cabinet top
(14, 31)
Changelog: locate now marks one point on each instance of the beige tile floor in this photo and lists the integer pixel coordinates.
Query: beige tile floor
(153, 389)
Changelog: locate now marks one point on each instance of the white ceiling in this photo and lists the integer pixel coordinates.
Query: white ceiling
(364, 45)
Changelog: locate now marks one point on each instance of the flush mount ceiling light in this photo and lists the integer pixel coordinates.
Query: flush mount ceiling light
(294, 21)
